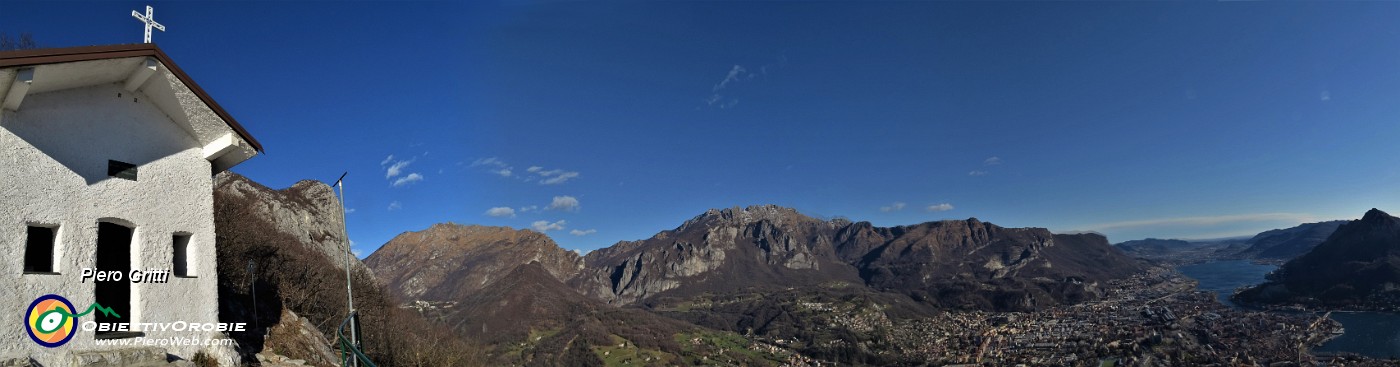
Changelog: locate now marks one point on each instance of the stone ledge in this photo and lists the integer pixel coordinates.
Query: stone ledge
(16, 361)
(118, 357)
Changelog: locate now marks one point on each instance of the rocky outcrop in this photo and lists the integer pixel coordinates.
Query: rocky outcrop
(308, 210)
(295, 341)
(447, 262)
(16, 361)
(283, 250)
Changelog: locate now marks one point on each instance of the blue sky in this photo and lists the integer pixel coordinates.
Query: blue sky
(615, 121)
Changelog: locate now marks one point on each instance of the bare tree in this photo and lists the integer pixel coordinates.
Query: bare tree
(24, 42)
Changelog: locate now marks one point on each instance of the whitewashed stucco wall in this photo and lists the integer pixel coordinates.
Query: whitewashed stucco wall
(53, 171)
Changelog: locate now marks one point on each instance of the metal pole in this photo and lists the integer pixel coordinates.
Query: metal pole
(253, 284)
(349, 292)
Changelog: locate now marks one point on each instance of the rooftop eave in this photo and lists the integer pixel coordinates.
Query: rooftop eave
(227, 151)
(156, 58)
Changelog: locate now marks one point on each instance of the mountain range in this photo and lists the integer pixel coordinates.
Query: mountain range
(966, 263)
(728, 272)
(762, 285)
(1276, 245)
(1356, 267)
(1176, 252)
(1288, 243)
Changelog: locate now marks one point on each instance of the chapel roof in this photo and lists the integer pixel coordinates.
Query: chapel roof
(52, 56)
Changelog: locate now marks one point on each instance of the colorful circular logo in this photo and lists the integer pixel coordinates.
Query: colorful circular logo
(49, 320)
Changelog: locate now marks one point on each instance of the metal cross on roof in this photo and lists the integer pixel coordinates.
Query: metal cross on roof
(150, 20)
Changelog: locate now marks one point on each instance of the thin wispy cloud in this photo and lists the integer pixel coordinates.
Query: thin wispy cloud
(987, 163)
(1203, 221)
(532, 174)
(555, 176)
(734, 74)
(943, 207)
(583, 233)
(411, 178)
(491, 161)
(564, 203)
(720, 98)
(527, 209)
(896, 206)
(494, 165)
(717, 98)
(395, 205)
(545, 226)
(349, 210)
(1326, 95)
(501, 212)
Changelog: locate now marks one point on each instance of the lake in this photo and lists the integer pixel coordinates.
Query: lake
(1370, 334)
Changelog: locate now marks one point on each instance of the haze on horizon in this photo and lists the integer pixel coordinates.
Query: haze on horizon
(604, 122)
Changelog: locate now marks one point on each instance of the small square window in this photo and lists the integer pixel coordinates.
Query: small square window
(180, 256)
(121, 169)
(38, 249)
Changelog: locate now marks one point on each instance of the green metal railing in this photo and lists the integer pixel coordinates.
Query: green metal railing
(350, 354)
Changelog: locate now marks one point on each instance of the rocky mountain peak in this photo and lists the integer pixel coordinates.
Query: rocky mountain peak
(773, 215)
(1376, 215)
(314, 188)
(448, 260)
(1375, 233)
(308, 210)
(1356, 266)
(452, 235)
(754, 213)
(1375, 224)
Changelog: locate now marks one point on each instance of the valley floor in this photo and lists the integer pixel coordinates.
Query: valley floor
(1153, 318)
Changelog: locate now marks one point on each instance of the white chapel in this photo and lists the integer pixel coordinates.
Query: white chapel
(106, 161)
